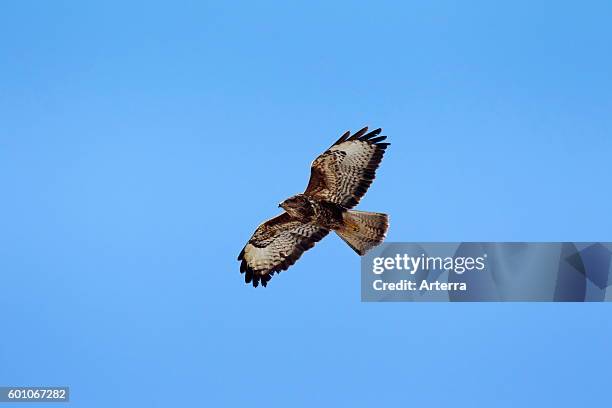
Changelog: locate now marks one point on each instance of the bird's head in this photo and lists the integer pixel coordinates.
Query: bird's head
(294, 203)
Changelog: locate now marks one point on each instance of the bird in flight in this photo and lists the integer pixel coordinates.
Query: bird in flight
(339, 177)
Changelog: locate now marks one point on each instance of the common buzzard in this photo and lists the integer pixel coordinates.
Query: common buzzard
(338, 179)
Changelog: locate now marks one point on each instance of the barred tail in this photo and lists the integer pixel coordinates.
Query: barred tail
(363, 230)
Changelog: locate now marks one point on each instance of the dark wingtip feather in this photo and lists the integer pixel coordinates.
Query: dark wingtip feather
(263, 279)
(248, 276)
(359, 133)
(377, 139)
(370, 135)
(363, 136)
(251, 276)
(342, 138)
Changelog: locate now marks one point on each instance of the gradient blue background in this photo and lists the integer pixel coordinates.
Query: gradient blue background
(141, 143)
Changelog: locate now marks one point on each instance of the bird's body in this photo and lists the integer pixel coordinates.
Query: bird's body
(339, 178)
(323, 213)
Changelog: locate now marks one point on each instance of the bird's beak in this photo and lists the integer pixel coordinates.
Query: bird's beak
(280, 205)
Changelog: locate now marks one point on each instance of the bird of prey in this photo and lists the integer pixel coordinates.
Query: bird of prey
(338, 179)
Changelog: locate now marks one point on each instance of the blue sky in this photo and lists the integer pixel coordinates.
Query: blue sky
(142, 143)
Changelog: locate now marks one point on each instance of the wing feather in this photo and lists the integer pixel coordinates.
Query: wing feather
(275, 246)
(344, 172)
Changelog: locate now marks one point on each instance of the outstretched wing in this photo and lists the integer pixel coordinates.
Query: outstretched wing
(275, 246)
(344, 172)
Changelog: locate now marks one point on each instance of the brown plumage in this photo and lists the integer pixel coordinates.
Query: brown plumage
(338, 179)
